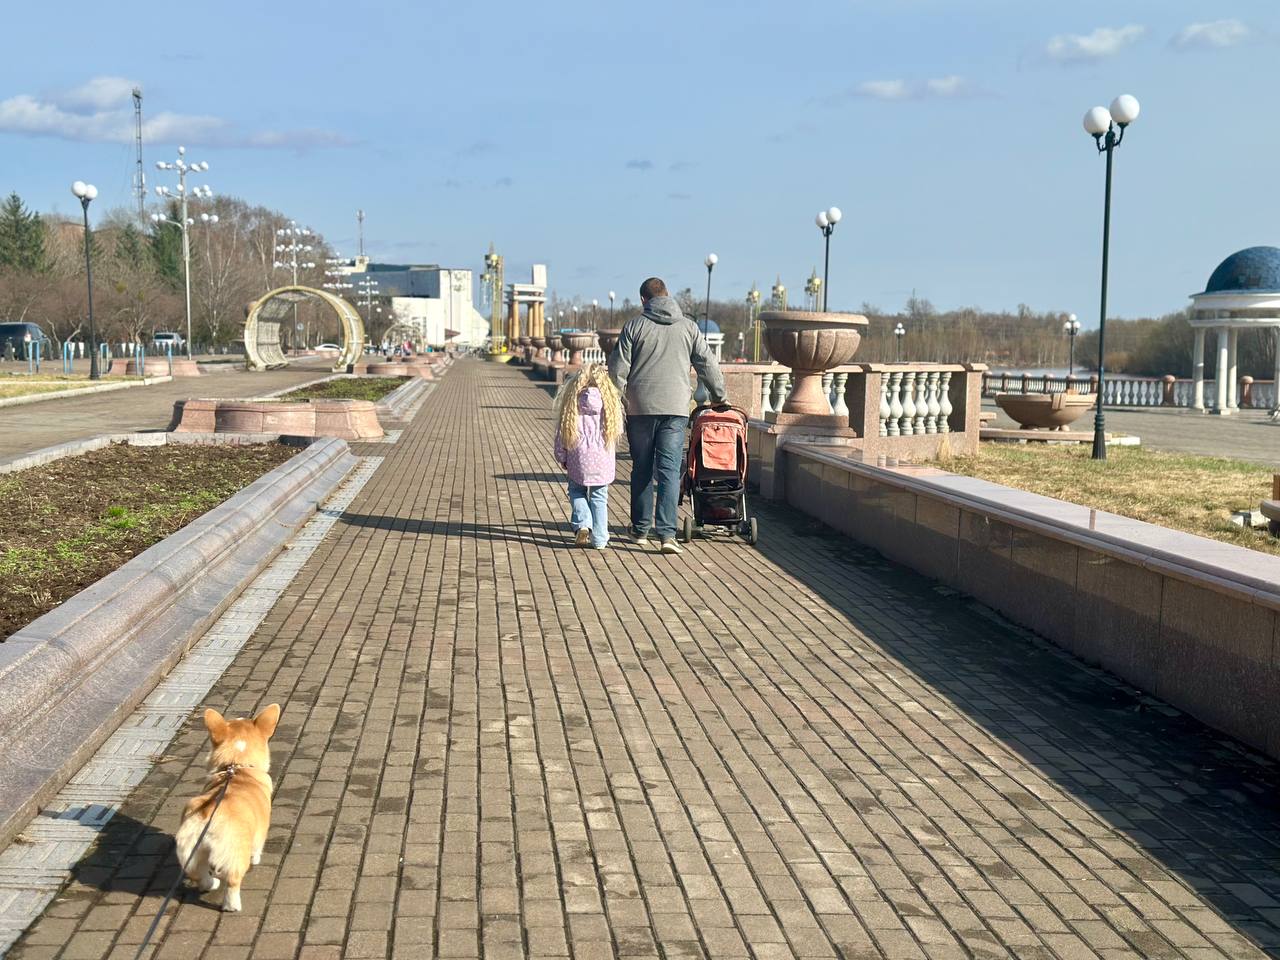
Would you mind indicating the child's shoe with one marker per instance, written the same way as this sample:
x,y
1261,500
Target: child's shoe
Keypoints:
x,y
583,537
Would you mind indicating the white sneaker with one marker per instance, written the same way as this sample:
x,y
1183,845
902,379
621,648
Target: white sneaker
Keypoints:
x,y
671,546
638,538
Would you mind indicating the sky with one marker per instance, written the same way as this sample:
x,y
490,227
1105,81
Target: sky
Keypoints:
x,y
616,141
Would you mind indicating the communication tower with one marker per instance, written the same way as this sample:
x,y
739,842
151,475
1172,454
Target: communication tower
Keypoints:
x,y
139,176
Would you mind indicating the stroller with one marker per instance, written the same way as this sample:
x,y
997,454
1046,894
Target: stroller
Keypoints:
x,y
715,476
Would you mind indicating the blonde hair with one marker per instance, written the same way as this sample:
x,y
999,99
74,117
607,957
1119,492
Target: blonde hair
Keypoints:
x,y
592,375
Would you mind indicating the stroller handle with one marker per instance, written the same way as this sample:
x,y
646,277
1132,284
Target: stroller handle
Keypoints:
x,y
720,407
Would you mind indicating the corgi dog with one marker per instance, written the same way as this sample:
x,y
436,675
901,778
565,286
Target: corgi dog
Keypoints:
x,y
241,760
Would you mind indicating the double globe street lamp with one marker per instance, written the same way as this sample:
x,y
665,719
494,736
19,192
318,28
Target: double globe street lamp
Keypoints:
x,y
1071,327
826,221
899,332
1107,126
711,262
85,193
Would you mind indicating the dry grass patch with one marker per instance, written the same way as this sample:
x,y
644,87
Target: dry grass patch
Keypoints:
x,y
19,389
1184,492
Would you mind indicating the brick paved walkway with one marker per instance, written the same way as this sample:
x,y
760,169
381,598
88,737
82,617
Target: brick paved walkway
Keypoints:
x,y
496,745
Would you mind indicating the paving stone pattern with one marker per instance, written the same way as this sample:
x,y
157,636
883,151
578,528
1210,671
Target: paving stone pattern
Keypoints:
x,y
495,744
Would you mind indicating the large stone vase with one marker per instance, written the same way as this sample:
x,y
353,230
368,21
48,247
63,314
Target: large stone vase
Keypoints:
x,y
555,343
539,344
608,339
576,343
1046,411
526,347
810,344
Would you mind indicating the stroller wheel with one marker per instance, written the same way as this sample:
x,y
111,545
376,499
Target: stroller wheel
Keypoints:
x,y
751,531
686,529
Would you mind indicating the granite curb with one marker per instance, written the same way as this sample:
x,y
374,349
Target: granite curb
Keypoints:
x,y
68,679
396,404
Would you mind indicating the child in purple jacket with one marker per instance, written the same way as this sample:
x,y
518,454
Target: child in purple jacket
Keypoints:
x,y
589,414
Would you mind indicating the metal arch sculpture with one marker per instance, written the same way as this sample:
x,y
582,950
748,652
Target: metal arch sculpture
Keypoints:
x,y
262,349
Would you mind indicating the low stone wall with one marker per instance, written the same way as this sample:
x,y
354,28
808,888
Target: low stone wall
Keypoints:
x,y
68,679
344,419
1193,621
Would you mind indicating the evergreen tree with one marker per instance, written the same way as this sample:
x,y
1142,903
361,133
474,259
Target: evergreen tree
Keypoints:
x,y
21,237
166,247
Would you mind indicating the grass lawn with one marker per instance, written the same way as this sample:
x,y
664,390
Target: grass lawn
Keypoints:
x,y
1195,494
348,388
69,523
9,388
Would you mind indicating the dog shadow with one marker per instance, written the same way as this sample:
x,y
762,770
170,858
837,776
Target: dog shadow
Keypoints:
x,y
137,859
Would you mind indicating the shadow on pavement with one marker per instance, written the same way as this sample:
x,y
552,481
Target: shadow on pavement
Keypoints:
x,y
1201,805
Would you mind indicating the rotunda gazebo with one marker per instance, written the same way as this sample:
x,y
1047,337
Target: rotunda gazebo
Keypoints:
x,y
1243,293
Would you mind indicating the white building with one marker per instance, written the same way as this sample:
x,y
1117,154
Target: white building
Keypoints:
x,y
435,301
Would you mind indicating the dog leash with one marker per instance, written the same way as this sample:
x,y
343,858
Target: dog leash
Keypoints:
x,y
229,770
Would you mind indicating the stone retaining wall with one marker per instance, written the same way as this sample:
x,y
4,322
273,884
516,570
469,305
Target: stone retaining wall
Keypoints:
x,y
1193,621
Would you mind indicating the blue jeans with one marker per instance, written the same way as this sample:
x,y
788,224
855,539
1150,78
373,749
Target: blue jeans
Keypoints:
x,y
657,443
591,509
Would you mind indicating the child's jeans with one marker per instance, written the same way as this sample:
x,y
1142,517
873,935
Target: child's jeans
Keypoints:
x,y
591,509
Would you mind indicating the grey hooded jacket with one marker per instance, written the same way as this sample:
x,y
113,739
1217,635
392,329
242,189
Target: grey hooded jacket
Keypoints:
x,y
651,362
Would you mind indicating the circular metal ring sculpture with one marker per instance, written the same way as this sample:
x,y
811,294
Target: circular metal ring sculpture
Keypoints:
x,y
262,348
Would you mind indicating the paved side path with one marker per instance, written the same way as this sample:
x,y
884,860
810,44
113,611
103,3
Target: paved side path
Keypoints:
x,y
497,745
31,426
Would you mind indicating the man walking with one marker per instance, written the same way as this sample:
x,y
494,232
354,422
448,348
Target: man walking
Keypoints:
x,y
650,365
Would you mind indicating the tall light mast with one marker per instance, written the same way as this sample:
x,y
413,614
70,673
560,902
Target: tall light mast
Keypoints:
x,y
139,176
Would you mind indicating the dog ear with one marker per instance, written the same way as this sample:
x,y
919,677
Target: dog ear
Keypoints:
x,y
216,725
266,720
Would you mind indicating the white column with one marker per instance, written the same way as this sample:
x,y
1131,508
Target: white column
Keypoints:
x,y
1275,383
1197,370
1233,385
1222,408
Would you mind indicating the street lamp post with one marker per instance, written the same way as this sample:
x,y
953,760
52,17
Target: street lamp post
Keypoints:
x,y
779,295
899,332
184,221
1107,127
1071,327
290,243
753,305
826,221
86,192
811,288
594,304
612,296
711,262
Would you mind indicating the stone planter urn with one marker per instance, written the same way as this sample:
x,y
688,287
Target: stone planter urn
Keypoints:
x,y
556,343
608,339
810,344
525,343
575,343
539,344
1046,411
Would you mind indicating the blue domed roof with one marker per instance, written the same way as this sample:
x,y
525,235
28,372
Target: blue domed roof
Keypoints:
x,y
1253,270
710,326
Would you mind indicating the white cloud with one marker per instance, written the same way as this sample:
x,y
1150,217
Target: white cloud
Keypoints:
x,y
1215,35
941,88
101,111
1102,43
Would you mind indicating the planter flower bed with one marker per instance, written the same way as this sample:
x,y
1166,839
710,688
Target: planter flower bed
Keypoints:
x,y
348,388
71,522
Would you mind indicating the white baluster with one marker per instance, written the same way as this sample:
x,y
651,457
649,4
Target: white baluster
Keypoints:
x,y
885,410
766,388
895,403
908,403
776,392
827,379
840,408
944,402
931,421
786,385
